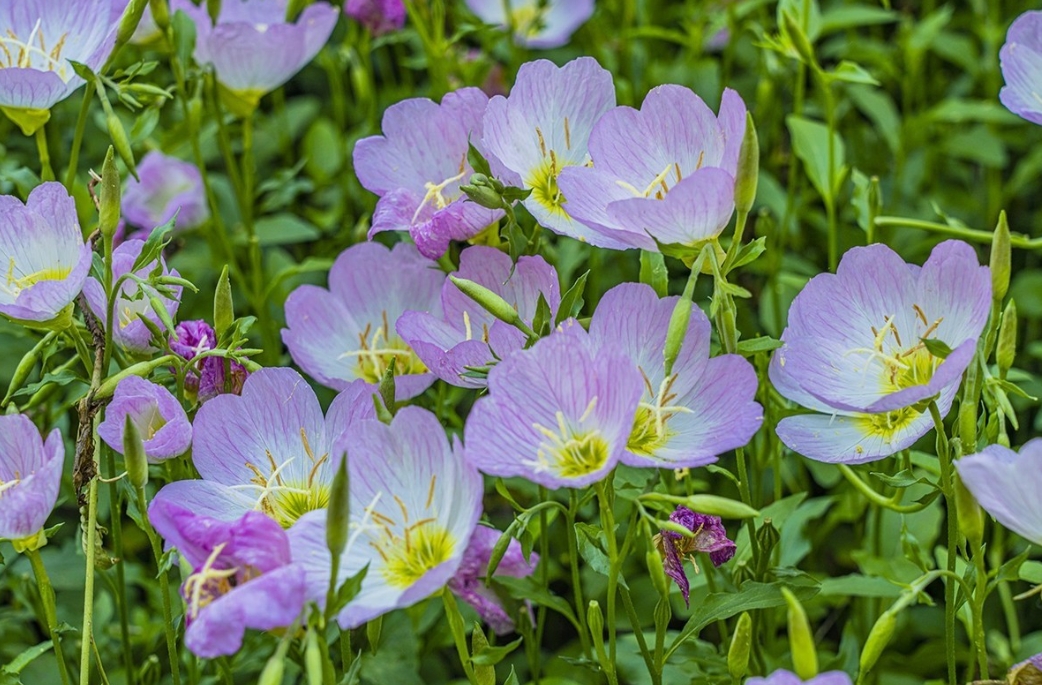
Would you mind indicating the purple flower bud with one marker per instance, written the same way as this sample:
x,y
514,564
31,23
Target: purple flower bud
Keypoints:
x,y
709,536
159,417
30,475
167,185
379,16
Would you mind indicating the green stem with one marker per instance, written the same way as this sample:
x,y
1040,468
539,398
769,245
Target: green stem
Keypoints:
x,y
459,635
77,137
573,562
1017,240
875,498
945,459
980,593
116,514
46,172
164,588
638,633
608,526
87,631
50,610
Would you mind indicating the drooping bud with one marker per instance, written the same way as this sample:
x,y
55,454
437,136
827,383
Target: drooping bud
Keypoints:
x,y
493,303
741,646
1006,351
109,200
678,322
968,407
160,13
1001,257
877,641
128,23
748,173
969,514
134,454
121,141
801,639
26,366
338,511
656,569
223,307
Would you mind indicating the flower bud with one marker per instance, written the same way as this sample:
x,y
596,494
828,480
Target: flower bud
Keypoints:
x,y
656,570
482,195
273,670
595,620
160,13
741,646
128,23
121,142
969,514
223,306
1001,256
676,331
1006,351
338,511
142,369
213,8
26,366
134,454
968,408
801,640
109,202
748,168
798,38
877,641
484,673
493,303
313,659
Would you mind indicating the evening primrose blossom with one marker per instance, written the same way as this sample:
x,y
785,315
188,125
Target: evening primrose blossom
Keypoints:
x,y
708,535
269,449
415,504
39,40
1021,62
704,407
167,186
558,414
30,476
854,350
44,258
542,128
158,415
465,334
783,677
664,173
347,332
242,576
540,24
1007,485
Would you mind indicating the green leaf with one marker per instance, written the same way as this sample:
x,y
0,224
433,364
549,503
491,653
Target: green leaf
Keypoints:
x,y
348,590
184,36
750,252
763,343
591,548
490,656
283,229
157,240
810,143
477,161
15,666
851,72
541,320
1031,571
572,301
937,347
856,585
653,272
853,16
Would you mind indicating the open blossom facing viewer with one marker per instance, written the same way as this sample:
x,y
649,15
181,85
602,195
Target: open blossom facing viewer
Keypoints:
x,y
1007,485
252,48
417,166
704,408
709,537
160,418
665,171
167,185
558,413
465,334
242,576
347,333
469,582
414,506
132,301
379,16
536,23
854,349
1021,60
44,259
542,128
269,449
40,37
30,476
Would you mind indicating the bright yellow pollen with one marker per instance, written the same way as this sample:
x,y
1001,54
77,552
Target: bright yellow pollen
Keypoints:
x,y
284,499
377,347
902,365
14,284
571,453
425,545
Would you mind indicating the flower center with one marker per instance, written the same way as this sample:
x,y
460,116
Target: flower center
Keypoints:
x,y
650,432
209,583
14,283
660,185
529,20
437,195
886,425
543,179
33,53
6,485
377,347
283,499
902,366
571,453
150,422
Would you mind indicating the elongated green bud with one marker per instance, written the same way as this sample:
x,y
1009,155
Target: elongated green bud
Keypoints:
x,y
676,331
109,200
338,511
970,515
26,366
656,569
223,306
142,369
313,659
134,454
482,195
121,142
801,639
490,301
160,13
748,173
484,674
968,408
877,641
128,23
273,670
798,38
1006,351
595,620
372,632
741,646
162,313
1001,257
714,505
213,8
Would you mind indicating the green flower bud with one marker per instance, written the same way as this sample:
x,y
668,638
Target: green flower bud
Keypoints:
x,y
801,639
213,8
1006,351
109,200
160,13
595,620
656,569
748,168
313,660
26,366
128,23
490,301
142,369
484,674
223,306
877,641
273,670
798,38
1001,256
741,646
968,408
676,331
482,195
337,511
134,454
969,513
121,141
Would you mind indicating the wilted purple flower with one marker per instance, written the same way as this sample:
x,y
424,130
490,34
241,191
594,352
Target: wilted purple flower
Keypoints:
x,y
709,537
30,475
536,23
43,256
347,332
206,378
158,415
252,47
167,185
242,576
1021,62
558,413
417,166
211,378
415,504
1007,485
132,301
855,352
469,581
379,16
665,171
705,407
783,677
40,37
1026,672
544,127
269,449
465,334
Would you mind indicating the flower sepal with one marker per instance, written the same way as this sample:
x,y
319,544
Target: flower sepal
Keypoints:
x,y
59,323
241,103
30,543
29,120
